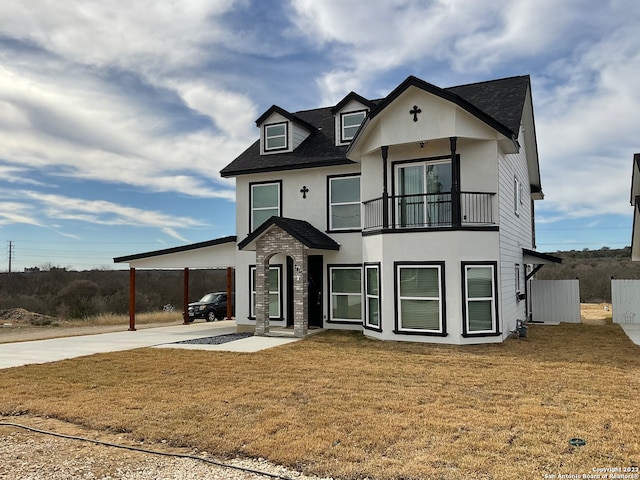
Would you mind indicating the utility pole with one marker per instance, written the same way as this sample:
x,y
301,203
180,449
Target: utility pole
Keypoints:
x,y
10,254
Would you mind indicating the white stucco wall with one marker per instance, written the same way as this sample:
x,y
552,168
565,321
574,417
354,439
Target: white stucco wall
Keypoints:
x,y
438,119
313,209
478,165
450,247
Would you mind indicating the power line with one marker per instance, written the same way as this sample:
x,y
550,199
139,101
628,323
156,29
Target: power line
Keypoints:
x,y
11,254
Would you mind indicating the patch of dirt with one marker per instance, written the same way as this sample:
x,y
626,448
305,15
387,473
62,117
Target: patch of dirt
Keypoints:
x,y
22,317
41,456
595,313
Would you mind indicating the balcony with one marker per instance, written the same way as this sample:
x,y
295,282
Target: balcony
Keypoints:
x,y
429,210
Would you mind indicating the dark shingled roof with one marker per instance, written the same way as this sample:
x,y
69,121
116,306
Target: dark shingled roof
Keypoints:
x,y
499,103
318,150
301,230
501,99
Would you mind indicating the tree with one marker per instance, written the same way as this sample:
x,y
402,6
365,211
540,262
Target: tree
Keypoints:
x,y
79,298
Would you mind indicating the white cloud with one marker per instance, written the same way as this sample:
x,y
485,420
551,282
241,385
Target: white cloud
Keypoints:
x,y
102,212
171,232
232,113
64,108
90,133
587,128
13,174
16,212
143,35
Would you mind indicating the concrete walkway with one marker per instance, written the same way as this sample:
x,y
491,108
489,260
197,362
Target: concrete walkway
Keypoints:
x,y
632,331
51,350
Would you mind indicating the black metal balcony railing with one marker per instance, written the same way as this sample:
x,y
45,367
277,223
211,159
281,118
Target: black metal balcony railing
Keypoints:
x,y
428,210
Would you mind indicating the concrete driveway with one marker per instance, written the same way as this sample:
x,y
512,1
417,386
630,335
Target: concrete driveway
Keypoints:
x,y
51,350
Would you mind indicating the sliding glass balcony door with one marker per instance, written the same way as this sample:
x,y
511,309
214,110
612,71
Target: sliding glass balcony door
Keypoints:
x,y
424,194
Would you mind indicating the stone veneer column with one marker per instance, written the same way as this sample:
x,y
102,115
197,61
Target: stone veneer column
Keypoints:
x,y
273,242
300,292
262,294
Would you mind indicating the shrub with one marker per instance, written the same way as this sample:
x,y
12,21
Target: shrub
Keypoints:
x,y
79,298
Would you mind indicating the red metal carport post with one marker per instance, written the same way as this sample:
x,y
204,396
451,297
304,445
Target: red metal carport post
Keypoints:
x,y
132,299
185,299
229,293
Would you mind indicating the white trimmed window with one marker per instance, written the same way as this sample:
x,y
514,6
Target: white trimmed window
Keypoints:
x,y
344,203
480,299
346,294
276,136
517,274
372,295
419,296
349,124
274,292
265,202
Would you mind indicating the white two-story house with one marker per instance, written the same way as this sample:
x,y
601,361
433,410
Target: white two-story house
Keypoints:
x,y
409,217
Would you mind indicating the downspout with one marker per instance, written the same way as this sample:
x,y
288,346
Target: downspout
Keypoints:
x,y
527,277
533,224
385,190
456,220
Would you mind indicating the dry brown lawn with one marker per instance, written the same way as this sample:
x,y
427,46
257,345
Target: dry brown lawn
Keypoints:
x,y
596,313
339,404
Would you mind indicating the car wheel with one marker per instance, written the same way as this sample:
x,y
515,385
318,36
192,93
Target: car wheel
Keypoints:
x,y
211,316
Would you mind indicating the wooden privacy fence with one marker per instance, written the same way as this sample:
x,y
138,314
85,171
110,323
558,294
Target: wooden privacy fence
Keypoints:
x,y
625,301
554,301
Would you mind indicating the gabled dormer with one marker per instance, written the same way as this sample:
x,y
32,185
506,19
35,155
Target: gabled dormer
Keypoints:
x,y
349,114
281,131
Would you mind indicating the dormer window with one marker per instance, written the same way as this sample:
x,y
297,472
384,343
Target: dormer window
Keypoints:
x,y
349,124
276,136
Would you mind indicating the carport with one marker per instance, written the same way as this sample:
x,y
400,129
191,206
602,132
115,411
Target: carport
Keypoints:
x,y
219,253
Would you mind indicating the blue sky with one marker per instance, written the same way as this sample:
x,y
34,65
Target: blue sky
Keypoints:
x,y
116,117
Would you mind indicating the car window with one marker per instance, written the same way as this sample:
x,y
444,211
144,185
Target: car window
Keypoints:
x,y
209,298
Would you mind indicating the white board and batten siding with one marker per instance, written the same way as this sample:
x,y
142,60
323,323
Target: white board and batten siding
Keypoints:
x,y
515,234
625,301
555,301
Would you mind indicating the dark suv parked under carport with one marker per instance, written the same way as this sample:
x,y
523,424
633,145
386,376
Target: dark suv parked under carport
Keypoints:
x,y
213,306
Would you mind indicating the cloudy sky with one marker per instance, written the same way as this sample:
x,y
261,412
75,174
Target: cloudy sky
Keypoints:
x,y
116,117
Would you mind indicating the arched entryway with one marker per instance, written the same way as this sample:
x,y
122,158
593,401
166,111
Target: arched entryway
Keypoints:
x,y
297,240
275,242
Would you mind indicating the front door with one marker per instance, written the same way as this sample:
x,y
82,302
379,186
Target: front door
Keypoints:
x,y
290,280
315,300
